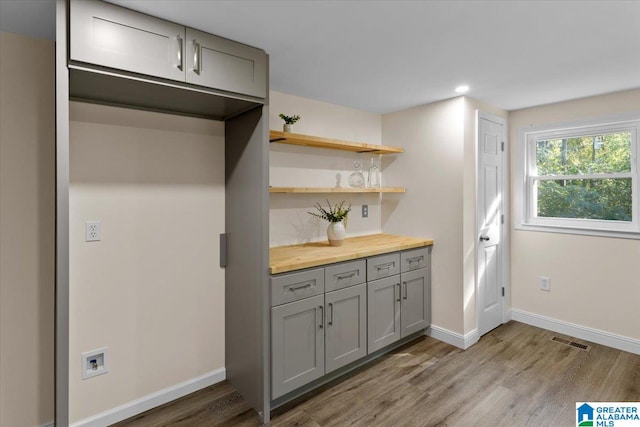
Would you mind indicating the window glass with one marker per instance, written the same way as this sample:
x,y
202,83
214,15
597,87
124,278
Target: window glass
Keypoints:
x,y
603,199
579,155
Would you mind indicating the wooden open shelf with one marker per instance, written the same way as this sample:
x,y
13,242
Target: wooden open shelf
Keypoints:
x,y
335,190
334,144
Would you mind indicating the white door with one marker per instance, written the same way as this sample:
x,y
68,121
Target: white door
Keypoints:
x,y
490,211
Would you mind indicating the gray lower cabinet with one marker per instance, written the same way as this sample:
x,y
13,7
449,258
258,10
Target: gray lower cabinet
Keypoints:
x,y
297,344
327,317
221,63
383,312
399,304
415,309
346,326
111,36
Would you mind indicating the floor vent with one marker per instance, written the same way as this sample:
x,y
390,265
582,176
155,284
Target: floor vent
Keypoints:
x,y
571,343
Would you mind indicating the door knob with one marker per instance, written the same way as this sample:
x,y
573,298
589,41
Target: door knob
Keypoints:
x,y
484,238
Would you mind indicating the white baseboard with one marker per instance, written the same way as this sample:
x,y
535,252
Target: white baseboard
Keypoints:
x,y
153,400
453,338
49,424
583,332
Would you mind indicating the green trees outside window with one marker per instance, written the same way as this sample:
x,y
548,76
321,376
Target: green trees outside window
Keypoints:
x,y
587,177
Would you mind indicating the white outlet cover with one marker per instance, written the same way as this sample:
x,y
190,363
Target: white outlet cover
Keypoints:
x,y
545,283
101,357
92,231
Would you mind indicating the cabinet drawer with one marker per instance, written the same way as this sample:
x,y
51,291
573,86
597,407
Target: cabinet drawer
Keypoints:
x,y
415,259
383,266
345,274
295,286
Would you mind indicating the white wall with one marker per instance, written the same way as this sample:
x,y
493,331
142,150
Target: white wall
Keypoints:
x,y
292,166
594,280
27,212
151,290
432,171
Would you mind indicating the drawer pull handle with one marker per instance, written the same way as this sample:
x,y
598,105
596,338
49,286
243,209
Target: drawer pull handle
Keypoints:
x,y
347,275
415,259
321,316
405,289
386,266
297,288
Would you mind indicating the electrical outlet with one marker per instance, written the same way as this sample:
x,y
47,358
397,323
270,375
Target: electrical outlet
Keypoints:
x,y
95,363
365,211
545,283
92,231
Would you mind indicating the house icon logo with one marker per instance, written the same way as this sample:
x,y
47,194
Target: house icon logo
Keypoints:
x,y
585,415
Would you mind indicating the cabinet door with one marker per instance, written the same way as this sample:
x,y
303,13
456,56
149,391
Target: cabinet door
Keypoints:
x,y
297,344
383,312
346,326
416,300
112,36
219,63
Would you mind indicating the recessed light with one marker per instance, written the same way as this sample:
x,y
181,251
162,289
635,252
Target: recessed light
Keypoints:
x,y
462,89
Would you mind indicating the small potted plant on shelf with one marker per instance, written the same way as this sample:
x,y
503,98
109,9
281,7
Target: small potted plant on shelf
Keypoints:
x,y
289,121
337,218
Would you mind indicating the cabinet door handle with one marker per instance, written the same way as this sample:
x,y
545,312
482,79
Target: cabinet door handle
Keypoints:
x,y
405,289
196,57
399,292
330,322
321,316
297,288
179,52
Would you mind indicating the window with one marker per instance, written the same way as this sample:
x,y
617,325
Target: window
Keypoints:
x,y
582,178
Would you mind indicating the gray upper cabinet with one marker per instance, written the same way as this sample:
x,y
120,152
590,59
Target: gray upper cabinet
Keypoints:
x,y
107,35
297,340
383,312
416,301
346,326
223,64
115,37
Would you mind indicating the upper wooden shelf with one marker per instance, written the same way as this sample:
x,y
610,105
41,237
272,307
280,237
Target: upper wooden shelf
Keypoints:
x,y
335,190
334,144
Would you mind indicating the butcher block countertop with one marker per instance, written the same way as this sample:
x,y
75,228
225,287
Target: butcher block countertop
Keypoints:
x,y
296,257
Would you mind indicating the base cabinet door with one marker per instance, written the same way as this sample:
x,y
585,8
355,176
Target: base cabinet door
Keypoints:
x,y
115,37
297,344
219,63
346,326
416,301
383,298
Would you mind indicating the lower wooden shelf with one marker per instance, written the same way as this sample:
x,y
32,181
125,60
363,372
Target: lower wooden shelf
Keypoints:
x,y
335,190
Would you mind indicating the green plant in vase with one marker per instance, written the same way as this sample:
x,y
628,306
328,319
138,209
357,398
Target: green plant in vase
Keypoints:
x,y
337,217
289,121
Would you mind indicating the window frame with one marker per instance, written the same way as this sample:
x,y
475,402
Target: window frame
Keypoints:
x,y
528,138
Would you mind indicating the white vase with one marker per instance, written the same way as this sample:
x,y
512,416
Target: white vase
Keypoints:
x,y
287,128
336,233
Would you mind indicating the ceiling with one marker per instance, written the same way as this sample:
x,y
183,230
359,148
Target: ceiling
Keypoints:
x,y
385,56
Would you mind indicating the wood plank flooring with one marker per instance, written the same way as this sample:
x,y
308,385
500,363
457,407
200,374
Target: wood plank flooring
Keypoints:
x,y
514,376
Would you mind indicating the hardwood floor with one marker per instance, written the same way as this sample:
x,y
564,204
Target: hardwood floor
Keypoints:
x,y
514,376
